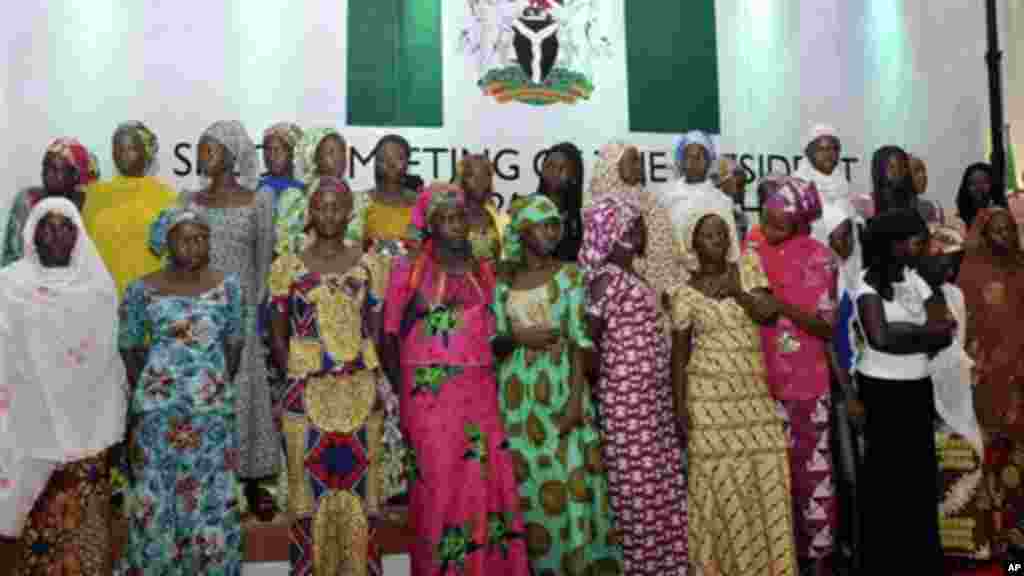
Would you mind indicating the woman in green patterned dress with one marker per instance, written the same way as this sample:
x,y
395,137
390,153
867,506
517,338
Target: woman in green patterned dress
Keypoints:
x,y
540,342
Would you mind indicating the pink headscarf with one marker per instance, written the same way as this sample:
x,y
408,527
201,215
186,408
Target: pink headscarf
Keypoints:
x,y
71,150
799,200
605,225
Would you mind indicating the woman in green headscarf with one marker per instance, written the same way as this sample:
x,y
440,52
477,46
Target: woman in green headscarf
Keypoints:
x,y
540,343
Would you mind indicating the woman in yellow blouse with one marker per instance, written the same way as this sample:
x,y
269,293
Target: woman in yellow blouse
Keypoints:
x,y
388,210
119,211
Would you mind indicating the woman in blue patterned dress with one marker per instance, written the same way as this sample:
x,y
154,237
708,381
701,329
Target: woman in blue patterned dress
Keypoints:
x,y
182,341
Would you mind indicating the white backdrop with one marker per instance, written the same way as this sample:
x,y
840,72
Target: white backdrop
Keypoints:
x,y
902,72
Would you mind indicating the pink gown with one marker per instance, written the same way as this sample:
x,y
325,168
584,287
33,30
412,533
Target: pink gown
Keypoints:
x,y
464,500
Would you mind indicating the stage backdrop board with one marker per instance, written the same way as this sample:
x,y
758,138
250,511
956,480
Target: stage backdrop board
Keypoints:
x,y
880,71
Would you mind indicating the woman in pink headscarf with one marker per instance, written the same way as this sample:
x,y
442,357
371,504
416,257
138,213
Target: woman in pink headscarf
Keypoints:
x,y
642,450
463,496
802,273
67,169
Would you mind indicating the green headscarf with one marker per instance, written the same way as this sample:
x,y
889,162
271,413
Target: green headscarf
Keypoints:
x,y
525,210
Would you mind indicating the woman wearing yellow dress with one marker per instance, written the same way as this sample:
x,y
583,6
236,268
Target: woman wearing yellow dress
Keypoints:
x,y
475,175
119,211
386,216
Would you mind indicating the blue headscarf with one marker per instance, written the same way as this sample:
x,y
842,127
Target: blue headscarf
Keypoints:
x,y
694,137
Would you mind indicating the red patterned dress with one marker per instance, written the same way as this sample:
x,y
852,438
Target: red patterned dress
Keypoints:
x,y
642,452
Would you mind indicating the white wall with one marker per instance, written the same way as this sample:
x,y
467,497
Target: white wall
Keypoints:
x,y
909,73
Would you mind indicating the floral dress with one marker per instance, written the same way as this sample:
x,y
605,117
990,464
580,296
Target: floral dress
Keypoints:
x,y
242,243
562,485
463,497
183,507
335,477
642,451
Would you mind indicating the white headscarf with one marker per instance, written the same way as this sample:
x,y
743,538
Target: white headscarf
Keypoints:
x,y
232,135
690,229
681,198
832,187
60,362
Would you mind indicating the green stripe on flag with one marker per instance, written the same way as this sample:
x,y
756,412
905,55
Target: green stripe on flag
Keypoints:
x,y
672,66
395,69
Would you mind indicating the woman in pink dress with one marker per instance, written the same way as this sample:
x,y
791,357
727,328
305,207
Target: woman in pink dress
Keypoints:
x,y
802,274
464,500
642,448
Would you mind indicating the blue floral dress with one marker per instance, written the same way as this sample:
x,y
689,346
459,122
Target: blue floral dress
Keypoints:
x,y
183,506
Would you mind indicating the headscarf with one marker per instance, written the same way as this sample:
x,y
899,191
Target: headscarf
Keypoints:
x,y
976,240
605,225
832,217
68,393
308,147
799,201
232,135
430,199
523,211
690,230
150,143
161,228
727,169
78,156
694,137
289,132
607,178
832,187
315,191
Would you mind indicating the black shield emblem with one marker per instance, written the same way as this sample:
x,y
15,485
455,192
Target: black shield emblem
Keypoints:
x,y
536,44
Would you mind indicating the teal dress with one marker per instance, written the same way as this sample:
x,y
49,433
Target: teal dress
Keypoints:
x,y
183,507
562,485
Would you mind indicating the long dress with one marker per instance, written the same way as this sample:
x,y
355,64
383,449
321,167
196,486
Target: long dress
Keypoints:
x,y
184,512
741,517
562,486
68,529
242,243
802,272
464,501
642,452
117,217
332,433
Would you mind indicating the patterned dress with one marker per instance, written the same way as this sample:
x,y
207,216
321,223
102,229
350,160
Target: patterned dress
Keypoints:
x,y
741,517
68,530
333,436
183,511
562,487
642,451
242,243
463,497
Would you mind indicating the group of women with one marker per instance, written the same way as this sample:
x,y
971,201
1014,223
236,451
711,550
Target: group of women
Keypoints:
x,y
641,383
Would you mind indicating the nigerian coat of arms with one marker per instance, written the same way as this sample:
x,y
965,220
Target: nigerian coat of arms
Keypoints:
x,y
537,52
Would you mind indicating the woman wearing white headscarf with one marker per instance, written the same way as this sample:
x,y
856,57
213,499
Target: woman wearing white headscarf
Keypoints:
x,y
821,154
242,242
695,164
62,396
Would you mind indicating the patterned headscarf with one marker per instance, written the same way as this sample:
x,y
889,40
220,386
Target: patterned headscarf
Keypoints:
x,y
232,135
150,143
694,219
799,201
315,192
161,228
429,200
71,150
607,179
308,147
523,211
288,132
605,225
694,137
